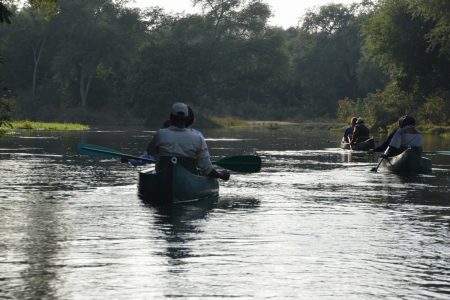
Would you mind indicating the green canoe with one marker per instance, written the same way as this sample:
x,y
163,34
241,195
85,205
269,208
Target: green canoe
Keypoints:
x,y
175,184
408,162
363,146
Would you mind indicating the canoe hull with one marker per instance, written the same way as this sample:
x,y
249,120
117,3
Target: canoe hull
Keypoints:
x,y
363,146
408,162
175,184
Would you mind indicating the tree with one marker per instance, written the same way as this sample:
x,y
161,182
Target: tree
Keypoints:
x,y
95,38
5,16
397,40
327,57
437,11
404,37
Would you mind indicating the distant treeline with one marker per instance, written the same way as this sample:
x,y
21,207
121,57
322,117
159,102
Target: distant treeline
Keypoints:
x,y
75,60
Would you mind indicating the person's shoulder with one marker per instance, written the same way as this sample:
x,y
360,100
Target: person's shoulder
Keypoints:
x,y
197,132
197,135
409,130
161,130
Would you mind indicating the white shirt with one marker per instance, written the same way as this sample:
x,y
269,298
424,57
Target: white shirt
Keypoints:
x,y
181,142
405,137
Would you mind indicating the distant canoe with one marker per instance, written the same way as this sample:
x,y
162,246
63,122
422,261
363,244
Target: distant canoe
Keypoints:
x,y
175,184
363,146
408,162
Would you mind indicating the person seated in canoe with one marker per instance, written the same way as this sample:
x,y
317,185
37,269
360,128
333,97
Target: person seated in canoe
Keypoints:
x,y
188,146
360,132
407,136
167,123
349,130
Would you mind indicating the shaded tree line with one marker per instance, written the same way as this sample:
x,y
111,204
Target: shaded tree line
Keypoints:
x,y
408,40
101,60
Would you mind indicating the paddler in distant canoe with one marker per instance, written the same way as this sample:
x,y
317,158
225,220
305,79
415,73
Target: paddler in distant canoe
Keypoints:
x,y
349,130
188,146
360,133
407,136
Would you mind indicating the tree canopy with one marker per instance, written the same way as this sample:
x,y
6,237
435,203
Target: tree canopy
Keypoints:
x,y
102,60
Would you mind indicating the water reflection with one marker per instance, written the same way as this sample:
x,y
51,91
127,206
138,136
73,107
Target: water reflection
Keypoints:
x,y
180,223
40,247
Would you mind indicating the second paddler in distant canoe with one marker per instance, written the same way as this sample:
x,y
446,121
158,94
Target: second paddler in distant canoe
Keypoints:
x,y
403,153
406,136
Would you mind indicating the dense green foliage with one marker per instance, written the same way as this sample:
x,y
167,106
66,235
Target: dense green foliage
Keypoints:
x,y
408,39
75,60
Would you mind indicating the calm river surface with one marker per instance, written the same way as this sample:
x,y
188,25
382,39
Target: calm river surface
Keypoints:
x,y
315,223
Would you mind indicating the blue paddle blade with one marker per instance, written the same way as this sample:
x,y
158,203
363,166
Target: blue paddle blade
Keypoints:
x,y
98,151
94,150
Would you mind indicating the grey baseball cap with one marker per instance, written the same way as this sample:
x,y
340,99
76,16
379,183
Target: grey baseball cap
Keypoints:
x,y
179,109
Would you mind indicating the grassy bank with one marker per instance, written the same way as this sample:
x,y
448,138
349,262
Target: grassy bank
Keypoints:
x,y
29,125
231,122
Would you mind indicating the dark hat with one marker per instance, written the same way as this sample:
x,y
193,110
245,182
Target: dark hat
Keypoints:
x,y
407,120
360,120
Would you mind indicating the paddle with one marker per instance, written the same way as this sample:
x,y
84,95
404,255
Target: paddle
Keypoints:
x,y
376,168
239,163
88,149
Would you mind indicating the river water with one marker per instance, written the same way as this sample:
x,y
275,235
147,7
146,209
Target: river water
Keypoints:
x,y
315,223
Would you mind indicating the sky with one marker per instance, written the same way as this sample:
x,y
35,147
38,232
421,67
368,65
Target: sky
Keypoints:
x,y
286,12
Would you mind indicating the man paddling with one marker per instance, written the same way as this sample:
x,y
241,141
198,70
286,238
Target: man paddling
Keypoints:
x,y
188,146
407,136
167,123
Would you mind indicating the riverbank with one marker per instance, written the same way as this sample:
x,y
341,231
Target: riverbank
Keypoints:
x,y
231,122
30,125
226,122
440,130
322,124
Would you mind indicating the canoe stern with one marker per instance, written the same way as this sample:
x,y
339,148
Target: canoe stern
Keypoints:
x,y
175,184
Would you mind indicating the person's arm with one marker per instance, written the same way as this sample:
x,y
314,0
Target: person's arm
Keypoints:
x,y
347,134
355,135
204,162
394,145
152,147
203,156
224,175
